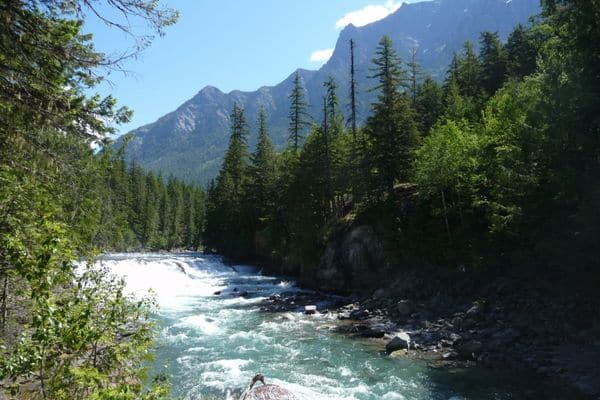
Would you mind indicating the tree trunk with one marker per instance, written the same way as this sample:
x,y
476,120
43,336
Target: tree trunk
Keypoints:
x,y
3,300
446,216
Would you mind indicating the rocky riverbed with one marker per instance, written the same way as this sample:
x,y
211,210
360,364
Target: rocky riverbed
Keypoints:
x,y
507,324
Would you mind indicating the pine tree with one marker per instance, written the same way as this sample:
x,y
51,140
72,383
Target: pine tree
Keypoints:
x,y
263,173
227,213
176,228
353,122
149,237
414,70
391,127
429,104
463,93
492,56
387,70
326,138
137,194
469,72
299,117
236,157
521,53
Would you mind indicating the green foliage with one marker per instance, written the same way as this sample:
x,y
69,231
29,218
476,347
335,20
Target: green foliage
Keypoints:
x,y
67,331
513,154
521,52
448,161
465,72
489,171
429,104
70,325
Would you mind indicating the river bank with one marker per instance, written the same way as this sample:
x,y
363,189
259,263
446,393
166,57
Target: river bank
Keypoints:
x,y
501,322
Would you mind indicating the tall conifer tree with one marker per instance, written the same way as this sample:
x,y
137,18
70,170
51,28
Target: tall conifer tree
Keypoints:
x,y
391,127
493,62
299,116
263,172
414,70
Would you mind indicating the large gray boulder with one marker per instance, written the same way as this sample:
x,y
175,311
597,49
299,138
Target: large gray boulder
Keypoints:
x,y
404,307
268,392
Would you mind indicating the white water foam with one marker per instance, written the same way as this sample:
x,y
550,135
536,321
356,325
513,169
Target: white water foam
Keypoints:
x,y
174,281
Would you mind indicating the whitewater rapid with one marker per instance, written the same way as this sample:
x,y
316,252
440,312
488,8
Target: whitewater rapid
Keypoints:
x,y
211,345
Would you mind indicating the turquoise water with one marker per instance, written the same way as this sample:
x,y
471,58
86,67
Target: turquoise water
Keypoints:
x,y
211,346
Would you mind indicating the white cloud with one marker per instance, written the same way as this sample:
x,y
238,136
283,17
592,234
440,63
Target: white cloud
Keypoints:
x,y
368,14
321,55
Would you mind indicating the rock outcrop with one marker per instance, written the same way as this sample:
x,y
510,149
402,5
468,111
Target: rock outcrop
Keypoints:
x,y
353,261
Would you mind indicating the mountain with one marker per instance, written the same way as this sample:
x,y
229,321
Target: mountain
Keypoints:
x,y
190,141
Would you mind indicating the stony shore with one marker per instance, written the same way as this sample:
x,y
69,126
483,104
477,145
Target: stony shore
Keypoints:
x,y
506,323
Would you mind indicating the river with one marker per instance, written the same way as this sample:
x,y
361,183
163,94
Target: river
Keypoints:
x,y
212,345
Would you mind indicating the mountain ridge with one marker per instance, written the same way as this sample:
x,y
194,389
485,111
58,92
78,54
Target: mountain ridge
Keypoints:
x,y
190,141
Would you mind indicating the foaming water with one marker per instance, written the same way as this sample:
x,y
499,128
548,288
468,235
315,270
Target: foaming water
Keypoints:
x,y
211,345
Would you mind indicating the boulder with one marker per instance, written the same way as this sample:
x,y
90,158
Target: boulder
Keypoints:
x,y
476,309
451,355
506,336
404,307
367,331
469,349
380,294
360,314
399,342
268,392
454,338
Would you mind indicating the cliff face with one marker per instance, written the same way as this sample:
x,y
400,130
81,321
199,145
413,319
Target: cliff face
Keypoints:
x,y
353,261
190,141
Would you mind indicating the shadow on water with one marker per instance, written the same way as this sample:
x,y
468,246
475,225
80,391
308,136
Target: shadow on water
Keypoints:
x,y
483,383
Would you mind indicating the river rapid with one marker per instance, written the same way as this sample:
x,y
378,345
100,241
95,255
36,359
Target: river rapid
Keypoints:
x,y
211,345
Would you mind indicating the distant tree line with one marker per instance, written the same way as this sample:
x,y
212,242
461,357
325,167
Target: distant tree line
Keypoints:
x,y
142,210
498,164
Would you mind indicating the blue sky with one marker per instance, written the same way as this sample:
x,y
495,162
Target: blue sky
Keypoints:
x,y
230,44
